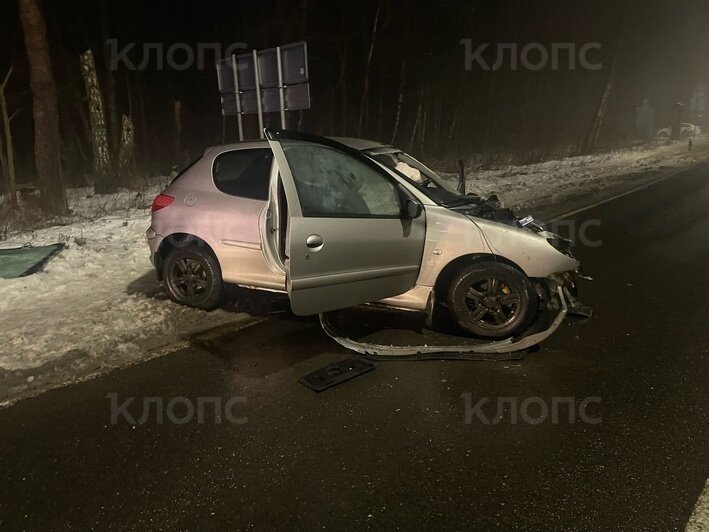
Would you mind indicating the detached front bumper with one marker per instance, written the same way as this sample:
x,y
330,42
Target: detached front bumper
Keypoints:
x,y
494,350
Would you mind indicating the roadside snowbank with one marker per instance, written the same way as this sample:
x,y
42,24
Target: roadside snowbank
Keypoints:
x,y
554,182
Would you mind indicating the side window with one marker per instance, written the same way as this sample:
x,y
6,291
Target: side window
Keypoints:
x,y
331,183
244,173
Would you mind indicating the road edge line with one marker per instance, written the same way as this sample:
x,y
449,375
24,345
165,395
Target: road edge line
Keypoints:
x,y
618,196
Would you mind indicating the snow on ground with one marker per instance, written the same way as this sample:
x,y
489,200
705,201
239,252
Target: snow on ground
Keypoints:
x,y
553,182
97,305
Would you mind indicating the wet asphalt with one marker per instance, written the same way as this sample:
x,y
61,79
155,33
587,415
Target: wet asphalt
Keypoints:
x,y
393,448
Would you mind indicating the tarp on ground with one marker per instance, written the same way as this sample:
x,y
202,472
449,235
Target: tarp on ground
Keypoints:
x,y
17,262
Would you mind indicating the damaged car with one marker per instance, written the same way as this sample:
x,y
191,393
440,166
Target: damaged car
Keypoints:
x,y
339,222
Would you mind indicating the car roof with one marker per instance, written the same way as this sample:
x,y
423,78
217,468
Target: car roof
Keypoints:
x,y
355,143
358,144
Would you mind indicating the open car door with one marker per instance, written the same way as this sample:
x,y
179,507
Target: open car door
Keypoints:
x,y
354,234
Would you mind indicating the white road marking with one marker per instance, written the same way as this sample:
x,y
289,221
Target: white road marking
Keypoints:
x,y
617,196
699,522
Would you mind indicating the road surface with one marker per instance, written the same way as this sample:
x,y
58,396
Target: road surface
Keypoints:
x,y
402,446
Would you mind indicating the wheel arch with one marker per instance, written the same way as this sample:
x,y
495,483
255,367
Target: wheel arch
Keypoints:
x,y
176,240
446,275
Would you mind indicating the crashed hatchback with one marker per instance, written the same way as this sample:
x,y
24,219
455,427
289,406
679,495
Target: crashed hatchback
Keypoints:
x,y
337,223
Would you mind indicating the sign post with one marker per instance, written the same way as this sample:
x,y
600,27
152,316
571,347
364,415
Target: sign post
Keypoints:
x,y
239,120
259,106
281,88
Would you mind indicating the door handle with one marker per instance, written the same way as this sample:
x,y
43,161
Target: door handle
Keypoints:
x,y
314,241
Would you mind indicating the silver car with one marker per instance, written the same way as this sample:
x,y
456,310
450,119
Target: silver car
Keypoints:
x,y
336,223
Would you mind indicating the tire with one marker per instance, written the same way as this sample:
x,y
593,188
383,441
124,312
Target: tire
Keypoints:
x,y
193,278
492,300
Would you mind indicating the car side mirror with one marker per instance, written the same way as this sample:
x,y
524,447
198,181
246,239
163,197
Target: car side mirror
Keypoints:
x,y
412,209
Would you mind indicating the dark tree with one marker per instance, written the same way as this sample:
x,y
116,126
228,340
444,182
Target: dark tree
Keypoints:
x,y
44,107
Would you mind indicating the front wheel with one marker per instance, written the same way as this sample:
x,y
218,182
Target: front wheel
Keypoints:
x,y
492,300
193,278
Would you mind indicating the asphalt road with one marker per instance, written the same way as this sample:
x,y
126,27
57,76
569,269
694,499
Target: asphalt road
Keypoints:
x,y
392,448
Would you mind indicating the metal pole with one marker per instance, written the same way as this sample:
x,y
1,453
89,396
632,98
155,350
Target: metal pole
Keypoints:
x,y
237,97
281,88
219,82
258,95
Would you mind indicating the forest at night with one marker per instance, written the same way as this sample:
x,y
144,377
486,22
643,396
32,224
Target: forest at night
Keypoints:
x,y
399,72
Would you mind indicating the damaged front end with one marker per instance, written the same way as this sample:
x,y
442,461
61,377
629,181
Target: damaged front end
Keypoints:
x,y
492,209
559,290
547,260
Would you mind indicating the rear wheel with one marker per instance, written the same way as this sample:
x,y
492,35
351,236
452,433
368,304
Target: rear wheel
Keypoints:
x,y
492,300
193,278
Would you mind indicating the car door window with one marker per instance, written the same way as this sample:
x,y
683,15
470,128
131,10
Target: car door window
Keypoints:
x,y
244,173
331,183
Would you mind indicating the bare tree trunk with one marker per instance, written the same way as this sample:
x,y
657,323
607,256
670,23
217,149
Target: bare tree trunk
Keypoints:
x,y
400,101
364,103
303,19
594,130
143,145
81,112
489,120
126,152
7,153
343,91
110,85
99,137
45,108
380,114
177,118
437,111
418,118
454,123
423,132
3,161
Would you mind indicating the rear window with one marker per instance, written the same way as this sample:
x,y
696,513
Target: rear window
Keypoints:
x,y
244,173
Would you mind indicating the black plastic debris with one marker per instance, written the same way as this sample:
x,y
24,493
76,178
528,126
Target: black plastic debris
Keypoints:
x,y
334,374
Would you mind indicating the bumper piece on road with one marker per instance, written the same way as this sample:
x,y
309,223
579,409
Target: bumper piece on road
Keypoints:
x,y
333,374
497,350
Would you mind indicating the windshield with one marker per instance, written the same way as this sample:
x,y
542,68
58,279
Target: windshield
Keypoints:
x,y
420,175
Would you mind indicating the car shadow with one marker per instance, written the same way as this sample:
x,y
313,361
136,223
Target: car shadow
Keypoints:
x,y
267,348
255,303
290,339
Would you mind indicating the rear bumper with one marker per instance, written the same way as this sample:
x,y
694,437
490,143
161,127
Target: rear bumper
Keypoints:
x,y
154,240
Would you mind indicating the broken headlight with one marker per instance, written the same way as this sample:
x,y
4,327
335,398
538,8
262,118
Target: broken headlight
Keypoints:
x,y
562,245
